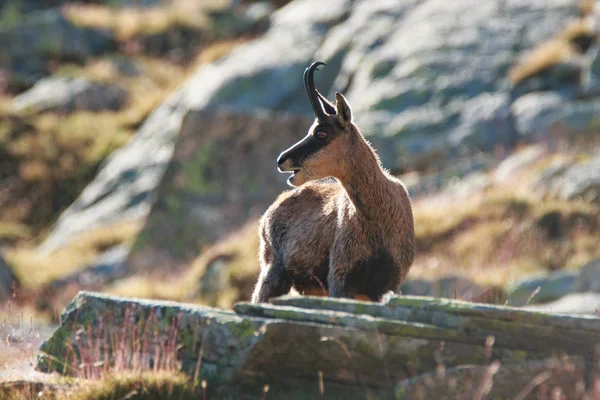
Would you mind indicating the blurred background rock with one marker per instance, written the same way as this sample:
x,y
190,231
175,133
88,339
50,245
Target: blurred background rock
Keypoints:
x,y
138,140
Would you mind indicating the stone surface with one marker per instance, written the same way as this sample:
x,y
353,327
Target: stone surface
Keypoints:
x,y
571,178
574,303
353,348
536,114
8,280
582,181
65,95
453,287
510,167
194,208
557,285
551,288
26,47
589,277
105,269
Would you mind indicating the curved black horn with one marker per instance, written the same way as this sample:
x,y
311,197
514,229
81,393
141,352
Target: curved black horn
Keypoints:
x,y
309,83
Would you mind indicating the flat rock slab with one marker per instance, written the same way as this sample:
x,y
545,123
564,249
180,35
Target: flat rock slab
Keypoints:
x,y
308,346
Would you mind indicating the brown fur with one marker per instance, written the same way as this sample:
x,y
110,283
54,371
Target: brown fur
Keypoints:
x,y
350,238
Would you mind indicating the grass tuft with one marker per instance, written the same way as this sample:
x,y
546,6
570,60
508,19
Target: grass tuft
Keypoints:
x,y
134,386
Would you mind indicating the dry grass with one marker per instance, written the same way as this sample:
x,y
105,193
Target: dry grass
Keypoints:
x,y
505,234
175,288
154,81
586,7
238,254
35,270
147,385
130,22
540,59
142,363
550,53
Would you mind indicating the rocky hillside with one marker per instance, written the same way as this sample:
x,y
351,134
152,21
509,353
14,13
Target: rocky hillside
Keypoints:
x,y
428,81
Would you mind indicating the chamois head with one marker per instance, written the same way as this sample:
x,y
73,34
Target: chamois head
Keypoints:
x,y
326,149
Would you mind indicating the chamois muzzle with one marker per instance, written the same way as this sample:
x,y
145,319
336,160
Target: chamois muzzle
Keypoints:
x,y
309,84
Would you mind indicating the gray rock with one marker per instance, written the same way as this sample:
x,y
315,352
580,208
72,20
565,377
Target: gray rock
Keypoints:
x,y
259,12
574,303
551,288
547,182
214,280
453,287
484,124
410,82
26,47
8,280
416,287
536,113
582,181
355,349
510,167
194,208
589,277
65,95
473,183
106,268
571,179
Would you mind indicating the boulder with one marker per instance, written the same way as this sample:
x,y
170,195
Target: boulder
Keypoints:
x,y
547,182
106,268
317,347
537,290
65,95
512,166
194,207
589,277
8,280
26,47
582,181
453,287
574,303
537,114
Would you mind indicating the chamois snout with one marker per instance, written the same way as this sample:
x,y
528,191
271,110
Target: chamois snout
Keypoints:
x,y
292,161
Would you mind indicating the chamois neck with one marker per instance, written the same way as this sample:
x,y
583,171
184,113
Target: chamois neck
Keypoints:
x,y
365,182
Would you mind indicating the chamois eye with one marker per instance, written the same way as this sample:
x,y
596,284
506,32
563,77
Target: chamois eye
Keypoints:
x,y
322,135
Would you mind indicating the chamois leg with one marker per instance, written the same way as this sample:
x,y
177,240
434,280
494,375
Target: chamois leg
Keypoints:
x,y
273,281
341,286
338,286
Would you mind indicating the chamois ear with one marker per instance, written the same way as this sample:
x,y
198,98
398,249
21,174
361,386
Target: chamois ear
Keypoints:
x,y
344,113
327,106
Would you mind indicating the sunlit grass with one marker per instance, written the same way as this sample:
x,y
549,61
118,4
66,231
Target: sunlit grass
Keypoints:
x,y
35,269
239,255
499,236
146,385
130,22
550,53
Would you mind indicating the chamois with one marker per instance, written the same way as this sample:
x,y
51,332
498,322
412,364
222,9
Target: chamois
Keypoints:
x,y
352,236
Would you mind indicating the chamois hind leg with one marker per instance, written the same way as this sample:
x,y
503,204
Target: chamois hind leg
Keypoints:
x,y
343,284
273,281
